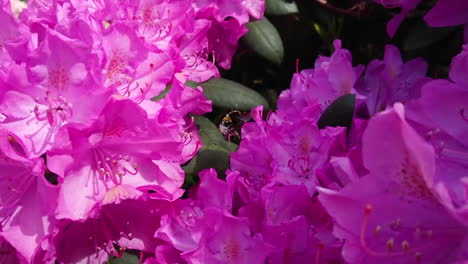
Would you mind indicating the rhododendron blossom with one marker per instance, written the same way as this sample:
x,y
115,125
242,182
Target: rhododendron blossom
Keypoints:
x,y
104,157
80,138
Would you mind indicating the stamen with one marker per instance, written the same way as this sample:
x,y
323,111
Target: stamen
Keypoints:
x,y
301,166
377,230
320,229
140,260
213,57
50,132
297,70
405,246
297,66
459,155
390,243
418,256
114,167
257,181
38,115
319,251
118,254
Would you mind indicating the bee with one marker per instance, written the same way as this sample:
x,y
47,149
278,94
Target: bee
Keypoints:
x,y
231,124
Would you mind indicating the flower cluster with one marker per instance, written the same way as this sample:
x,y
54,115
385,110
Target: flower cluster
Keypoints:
x,y
89,164
390,188
358,164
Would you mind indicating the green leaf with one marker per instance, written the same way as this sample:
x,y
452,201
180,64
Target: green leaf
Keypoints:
x,y
338,113
208,158
265,40
280,7
420,35
214,152
162,94
125,259
228,94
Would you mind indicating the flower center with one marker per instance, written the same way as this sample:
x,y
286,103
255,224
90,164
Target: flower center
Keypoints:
x,y
114,167
116,65
59,78
231,249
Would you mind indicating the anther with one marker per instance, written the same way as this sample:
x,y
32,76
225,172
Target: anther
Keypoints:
x,y
418,256
368,209
377,230
405,246
319,251
429,234
390,243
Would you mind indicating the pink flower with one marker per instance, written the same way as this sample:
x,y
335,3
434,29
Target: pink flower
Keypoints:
x,y
265,156
120,156
331,78
128,225
194,56
62,92
27,199
223,36
391,80
130,68
183,225
235,244
14,37
394,214
238,9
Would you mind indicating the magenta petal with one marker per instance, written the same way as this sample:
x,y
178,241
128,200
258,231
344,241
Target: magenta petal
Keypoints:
x,y
393,214
459,67
30,222
213,191
448,13
395,22
167,255
78,202
235,244
127,225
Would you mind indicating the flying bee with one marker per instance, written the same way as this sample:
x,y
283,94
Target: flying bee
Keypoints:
x,y
231,124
